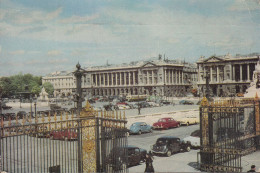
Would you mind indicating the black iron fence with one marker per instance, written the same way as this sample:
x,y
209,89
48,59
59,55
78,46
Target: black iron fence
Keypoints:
x,y
228,131
64,143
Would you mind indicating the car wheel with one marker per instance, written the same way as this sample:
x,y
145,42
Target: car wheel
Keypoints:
x,y
188,148
178,125
169,153
187,124
151,130
139,133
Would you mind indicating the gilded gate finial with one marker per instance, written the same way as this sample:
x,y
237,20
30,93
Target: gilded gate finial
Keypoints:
x,y
88,111
256,96
204,102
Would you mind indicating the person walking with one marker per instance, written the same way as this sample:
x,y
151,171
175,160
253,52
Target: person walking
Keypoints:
x,y
149,163
252,168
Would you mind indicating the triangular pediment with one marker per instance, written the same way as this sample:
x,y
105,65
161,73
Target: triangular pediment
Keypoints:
x,y
213,59
149,64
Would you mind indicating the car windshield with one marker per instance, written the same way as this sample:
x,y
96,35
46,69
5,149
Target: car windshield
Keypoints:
x,y
161,120
134,124
161,141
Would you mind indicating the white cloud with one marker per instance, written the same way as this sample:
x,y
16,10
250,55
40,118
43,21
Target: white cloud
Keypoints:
x,y
54,53
245,5
78,19
17,52
58,61
28,16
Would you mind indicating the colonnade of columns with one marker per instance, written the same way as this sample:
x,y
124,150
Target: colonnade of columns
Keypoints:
x,y
172,76
114,78
219,73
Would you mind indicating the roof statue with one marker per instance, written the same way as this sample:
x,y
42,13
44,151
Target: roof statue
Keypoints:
x,y
254,88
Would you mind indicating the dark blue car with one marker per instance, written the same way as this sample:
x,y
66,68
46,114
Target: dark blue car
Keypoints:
x,y
139,128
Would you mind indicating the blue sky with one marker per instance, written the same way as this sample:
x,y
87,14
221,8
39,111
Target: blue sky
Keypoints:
x,y
43,36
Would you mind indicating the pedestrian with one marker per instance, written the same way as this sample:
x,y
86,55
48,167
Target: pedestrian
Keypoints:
x,y
139,109
149,163
252,168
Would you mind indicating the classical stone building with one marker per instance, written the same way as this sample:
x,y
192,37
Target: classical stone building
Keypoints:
x,y
155,77
228,75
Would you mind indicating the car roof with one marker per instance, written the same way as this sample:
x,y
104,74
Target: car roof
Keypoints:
x,y
168,137
138,122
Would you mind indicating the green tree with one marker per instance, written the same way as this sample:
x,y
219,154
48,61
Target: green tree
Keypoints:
x,y
48,88
36,89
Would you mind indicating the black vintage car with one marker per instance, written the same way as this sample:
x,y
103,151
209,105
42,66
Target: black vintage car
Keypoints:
x,y
169,144
122,157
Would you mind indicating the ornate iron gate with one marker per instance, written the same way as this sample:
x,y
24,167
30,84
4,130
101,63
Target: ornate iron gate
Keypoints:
x,y
229,130
63,143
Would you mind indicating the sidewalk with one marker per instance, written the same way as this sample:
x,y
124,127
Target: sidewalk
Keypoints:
x,y
187,162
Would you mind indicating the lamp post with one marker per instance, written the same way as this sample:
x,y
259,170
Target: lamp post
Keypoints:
x,y
207,85
35,103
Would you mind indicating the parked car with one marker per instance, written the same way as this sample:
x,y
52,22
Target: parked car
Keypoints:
x,y
194,139
189,120
153,104
123,107
139,128
117,158
67,134
186,102
167,145
165,102
166,123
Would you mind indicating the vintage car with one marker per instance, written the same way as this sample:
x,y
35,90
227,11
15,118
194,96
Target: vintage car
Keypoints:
x,y
189,120
167,145
165,123
186,102
139,128
194,139
117,158
67,134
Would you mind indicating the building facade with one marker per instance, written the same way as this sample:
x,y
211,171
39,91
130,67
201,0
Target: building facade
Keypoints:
x,y
157,77
228,75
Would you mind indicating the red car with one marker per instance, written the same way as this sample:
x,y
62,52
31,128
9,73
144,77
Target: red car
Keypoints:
x,y
165,123
68,134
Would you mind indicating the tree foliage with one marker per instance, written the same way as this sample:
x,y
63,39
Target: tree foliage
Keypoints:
x,y
11,86
48,88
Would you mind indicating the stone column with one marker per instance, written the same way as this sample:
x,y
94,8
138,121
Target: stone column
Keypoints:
x,y
217,73
176,76
108,78
248,73
165,76
210,74
241,69
152,77
179,77
116,78
129,78
172,77
96,79
133,77
120,79
125,78
233,72
182,77
99,79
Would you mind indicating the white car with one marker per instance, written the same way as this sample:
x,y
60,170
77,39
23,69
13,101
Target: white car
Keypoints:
x,y
189,120
123,107
153,104
194,139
